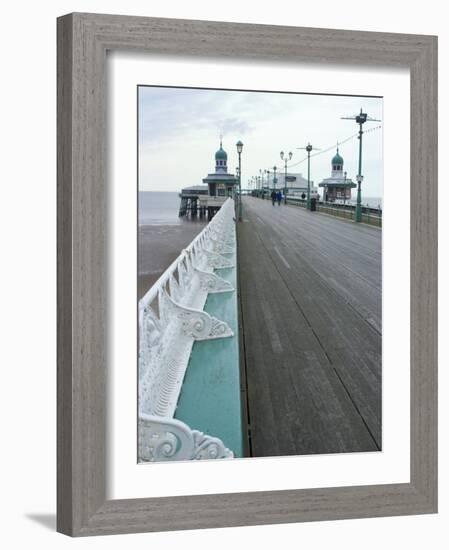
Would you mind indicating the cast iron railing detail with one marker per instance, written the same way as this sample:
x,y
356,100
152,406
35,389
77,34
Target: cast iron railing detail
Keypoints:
x,y
171,319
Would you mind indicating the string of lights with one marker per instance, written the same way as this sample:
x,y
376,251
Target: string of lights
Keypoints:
x,y
322,151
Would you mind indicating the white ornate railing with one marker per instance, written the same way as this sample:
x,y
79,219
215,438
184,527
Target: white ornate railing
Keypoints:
x,y
169,439
171,319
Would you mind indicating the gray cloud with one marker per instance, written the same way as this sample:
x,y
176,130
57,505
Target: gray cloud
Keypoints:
x,y
234,126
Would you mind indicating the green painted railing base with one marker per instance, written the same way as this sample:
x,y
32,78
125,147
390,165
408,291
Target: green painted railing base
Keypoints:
x,y
210,395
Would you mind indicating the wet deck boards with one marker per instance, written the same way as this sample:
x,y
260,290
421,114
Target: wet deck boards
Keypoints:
x,y
311,306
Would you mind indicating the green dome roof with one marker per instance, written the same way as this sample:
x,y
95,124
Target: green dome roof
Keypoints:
x,y
337,159
221,154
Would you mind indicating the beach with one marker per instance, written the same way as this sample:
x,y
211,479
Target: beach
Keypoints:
x,y
162,235
159,246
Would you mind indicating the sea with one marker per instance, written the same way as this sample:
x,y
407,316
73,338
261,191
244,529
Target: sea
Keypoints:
x,y
159,208
372,202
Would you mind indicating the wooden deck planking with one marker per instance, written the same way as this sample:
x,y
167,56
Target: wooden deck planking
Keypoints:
x,y
310,288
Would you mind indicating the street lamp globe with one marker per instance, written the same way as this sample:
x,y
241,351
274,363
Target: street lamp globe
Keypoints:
x,y
282,155
239,146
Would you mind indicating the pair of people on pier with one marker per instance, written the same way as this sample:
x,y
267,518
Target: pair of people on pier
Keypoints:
x,y
276,197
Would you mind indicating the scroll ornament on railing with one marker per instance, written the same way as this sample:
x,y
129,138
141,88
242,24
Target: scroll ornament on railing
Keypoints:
x,y
171,319
170,439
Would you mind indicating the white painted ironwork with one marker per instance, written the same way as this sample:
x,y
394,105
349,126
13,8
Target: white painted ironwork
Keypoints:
x,y
217,261
212,283
217,245
171,319
169,439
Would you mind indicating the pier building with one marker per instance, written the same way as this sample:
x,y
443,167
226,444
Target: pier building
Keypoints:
x,y
296,184
338,186
190,200
221,183
217,187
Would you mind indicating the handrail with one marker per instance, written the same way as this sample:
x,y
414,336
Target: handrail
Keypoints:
x,y
171,319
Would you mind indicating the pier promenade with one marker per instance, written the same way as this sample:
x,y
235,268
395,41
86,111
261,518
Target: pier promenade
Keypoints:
x,y
310,301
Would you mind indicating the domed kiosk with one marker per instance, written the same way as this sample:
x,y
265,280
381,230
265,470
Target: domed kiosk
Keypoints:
x,y
221,184
202,199
338,186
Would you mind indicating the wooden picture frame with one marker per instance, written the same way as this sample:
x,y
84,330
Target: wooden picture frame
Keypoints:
x,y
83,40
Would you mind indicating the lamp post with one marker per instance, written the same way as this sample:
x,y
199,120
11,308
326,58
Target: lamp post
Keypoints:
x,y
285,158
261,181
344,189
360,119
268,180
275,180
358,206
239,146
309,149
237,171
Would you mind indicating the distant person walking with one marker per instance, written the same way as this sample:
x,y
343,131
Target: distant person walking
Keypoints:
x,y
273,197
279,197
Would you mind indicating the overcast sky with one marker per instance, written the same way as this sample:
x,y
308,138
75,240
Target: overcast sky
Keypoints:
x,y
179,133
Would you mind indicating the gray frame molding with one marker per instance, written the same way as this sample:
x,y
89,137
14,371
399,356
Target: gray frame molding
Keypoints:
x,y
83,40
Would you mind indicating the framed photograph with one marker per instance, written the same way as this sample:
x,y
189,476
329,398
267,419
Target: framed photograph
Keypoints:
x,y
247,282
